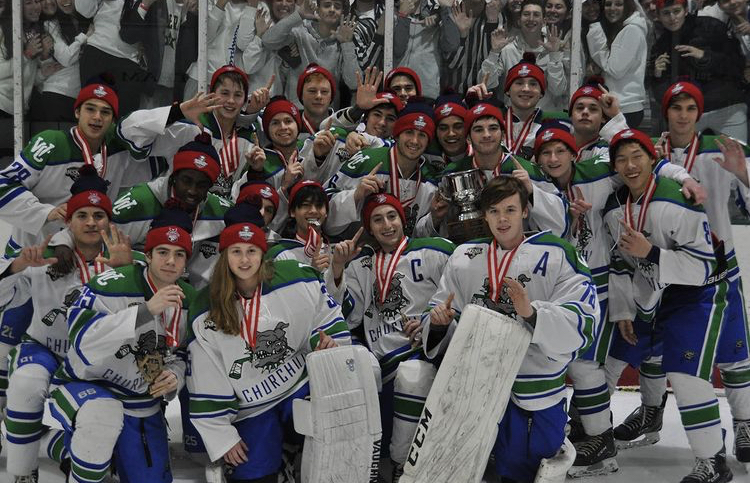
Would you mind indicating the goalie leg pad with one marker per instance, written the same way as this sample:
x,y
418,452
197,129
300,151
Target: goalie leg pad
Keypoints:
x,y
412,385
555,469
458,425
342,418
525,438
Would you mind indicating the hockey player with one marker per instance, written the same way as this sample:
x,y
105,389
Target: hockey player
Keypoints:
x,y
668,289
45,343
316,90
166,129
540,280
128,332
596,118
400,170
254,325
586,186
386,290
404,82
195,171
484,128
325,154
268,201
450,114
684,146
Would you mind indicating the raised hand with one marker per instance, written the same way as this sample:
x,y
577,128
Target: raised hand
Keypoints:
x,y
733,159
323,143
407,7
325,341
609,103
58,213
480,90
118,246
308,9
367,89
369,184
689,51
522,175
199,104
255,158
260,97
344,252
165,297
345,32
320,261
462,18
519,296
262,23
633,242
292,173
443,314
660,64
553,43
499,38
355,142
32,256
580,205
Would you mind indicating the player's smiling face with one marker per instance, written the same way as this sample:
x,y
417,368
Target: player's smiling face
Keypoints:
x,y
308,212
94,118
380,121
412,143
505,219
232,97
403,86
86,225
316,95
531,19
486,135
450,135
525,93
166,263
682,114
66,6
634,165
386,227
244,260
191,186
556,160
282,130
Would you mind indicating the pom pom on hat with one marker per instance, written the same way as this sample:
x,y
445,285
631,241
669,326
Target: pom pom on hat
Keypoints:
x,y
89,189
171,227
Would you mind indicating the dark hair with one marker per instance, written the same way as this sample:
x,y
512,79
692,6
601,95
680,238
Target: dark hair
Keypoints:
x,y
540,3
627,142
500,188
71,25
612,29
6,26
232,77
567,22
309,194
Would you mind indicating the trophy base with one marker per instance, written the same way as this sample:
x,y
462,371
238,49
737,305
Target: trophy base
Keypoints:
x,y
465,230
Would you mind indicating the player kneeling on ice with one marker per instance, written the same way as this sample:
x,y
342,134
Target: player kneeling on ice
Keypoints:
x,y
127,330
541,281
34,361
254,326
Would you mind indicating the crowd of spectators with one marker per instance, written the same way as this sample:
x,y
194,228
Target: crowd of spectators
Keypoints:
x,y
150,48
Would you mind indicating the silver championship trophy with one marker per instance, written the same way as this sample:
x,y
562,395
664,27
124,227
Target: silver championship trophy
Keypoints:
x,y
463,189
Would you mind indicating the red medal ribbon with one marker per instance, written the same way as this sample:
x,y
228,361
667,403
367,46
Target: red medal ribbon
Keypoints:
x,y
514,146
83,267
312,241
384,279
692,152
307,125
173,328
395,177
497,272
251,316
229,154
292,159
647,195
88,156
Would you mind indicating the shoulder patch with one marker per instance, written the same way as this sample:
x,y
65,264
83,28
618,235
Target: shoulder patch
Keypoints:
x,y
136,204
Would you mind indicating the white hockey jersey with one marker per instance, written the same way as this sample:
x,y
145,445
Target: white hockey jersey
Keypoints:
x,y
109,349
230,381
415,280
681,231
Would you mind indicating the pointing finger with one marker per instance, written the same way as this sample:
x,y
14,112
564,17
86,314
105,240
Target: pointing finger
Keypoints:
x,y
358,234
449,300
603,89
270,82
375,169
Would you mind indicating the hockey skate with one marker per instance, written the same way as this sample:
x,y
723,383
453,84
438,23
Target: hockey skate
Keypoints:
x,y
32,478
742,442
574,431
645,421
710,470
595,456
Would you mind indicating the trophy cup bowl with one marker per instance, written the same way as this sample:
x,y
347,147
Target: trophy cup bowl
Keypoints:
x,y
464,189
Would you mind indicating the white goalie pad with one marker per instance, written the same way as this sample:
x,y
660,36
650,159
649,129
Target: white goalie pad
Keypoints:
x,y
410,389
342,418
555,469
458,426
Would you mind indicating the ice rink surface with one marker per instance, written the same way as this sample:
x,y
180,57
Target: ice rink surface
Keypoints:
x,y
665,462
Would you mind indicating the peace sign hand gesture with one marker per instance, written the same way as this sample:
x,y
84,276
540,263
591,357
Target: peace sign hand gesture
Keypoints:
x,y
118,246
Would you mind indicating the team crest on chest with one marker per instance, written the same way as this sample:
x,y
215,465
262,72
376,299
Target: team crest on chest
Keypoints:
x,y
271,349
208,250
504,305
584,235
366,262
395,300
53,273
473,252
52,315
149,354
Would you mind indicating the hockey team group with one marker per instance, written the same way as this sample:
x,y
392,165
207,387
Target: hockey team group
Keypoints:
x,y
275,236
